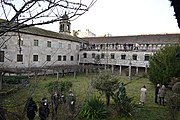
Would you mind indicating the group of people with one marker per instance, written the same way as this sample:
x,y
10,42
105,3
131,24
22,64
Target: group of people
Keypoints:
x,y
160,92
32,109
44,110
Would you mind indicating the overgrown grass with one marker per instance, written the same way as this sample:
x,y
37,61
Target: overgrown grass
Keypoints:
x,y
82,89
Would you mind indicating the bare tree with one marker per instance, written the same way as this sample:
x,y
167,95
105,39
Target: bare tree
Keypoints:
x,y
25,13
18,14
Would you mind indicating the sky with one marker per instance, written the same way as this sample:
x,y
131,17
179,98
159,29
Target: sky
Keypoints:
x,y
125,17
129,17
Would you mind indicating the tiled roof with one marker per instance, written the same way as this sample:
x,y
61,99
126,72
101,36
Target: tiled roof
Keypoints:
x,y
45,33
141,39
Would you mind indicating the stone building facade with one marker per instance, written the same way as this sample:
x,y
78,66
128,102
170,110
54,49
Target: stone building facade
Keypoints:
x,y
37,51
125,53
38,48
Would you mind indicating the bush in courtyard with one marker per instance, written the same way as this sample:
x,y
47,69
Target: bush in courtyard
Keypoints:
x,y
174,103
176,88
61,86
106,83
124,105
94,109
14,79
174,80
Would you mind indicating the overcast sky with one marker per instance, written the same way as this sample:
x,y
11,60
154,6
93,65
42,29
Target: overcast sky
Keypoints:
x,y
126,17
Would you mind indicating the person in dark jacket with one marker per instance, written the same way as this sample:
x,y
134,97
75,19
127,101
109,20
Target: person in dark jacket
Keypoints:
x,y
31,108
157,93
44,109
55,100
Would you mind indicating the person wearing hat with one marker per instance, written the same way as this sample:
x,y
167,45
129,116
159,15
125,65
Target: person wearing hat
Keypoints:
x,y
157,93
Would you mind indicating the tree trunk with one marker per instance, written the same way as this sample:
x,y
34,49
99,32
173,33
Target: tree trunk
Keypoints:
x,y
107,99
1,80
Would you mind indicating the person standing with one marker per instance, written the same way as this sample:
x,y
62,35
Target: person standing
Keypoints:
x,y
162,93
71,102
143,95
44,109
122,90
31,108
55,100
157,93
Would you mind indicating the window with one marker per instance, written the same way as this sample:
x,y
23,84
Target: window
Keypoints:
x,y
48,57
93,55
60,45
102,55
146,57
69,46
19,58
134,57
72,58
61,27
64,58
48,43
123,57
77,57
68,27
77,47
112,55
36,43
35,57
1,56
85,55
59,57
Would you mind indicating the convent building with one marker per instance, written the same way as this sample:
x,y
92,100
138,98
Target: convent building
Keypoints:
x,y
38,48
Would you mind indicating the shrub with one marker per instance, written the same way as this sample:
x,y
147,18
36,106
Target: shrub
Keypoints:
x,y
164,65
174,80
62,86
106,83
14,79
176,88
124,105
94,109
174,107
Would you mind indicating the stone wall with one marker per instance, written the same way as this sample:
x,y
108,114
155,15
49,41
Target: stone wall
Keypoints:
x,y
59,47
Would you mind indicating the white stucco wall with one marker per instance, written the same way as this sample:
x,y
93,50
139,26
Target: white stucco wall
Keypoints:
x,y
140,62
28,50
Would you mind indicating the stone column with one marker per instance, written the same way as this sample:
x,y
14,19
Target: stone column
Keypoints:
x,y
137,71
129,77
112,68
145,69
57,75
120,70
1,80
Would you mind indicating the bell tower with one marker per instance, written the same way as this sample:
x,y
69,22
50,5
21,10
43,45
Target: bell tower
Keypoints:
x,y
65,25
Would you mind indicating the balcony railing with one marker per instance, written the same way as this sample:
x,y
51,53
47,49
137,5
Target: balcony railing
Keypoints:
x,y
122,47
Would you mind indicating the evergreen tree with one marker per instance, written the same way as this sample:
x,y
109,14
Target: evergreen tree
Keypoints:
x,y
164,65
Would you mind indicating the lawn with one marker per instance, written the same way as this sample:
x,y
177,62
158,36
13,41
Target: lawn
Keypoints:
x,y
82,89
